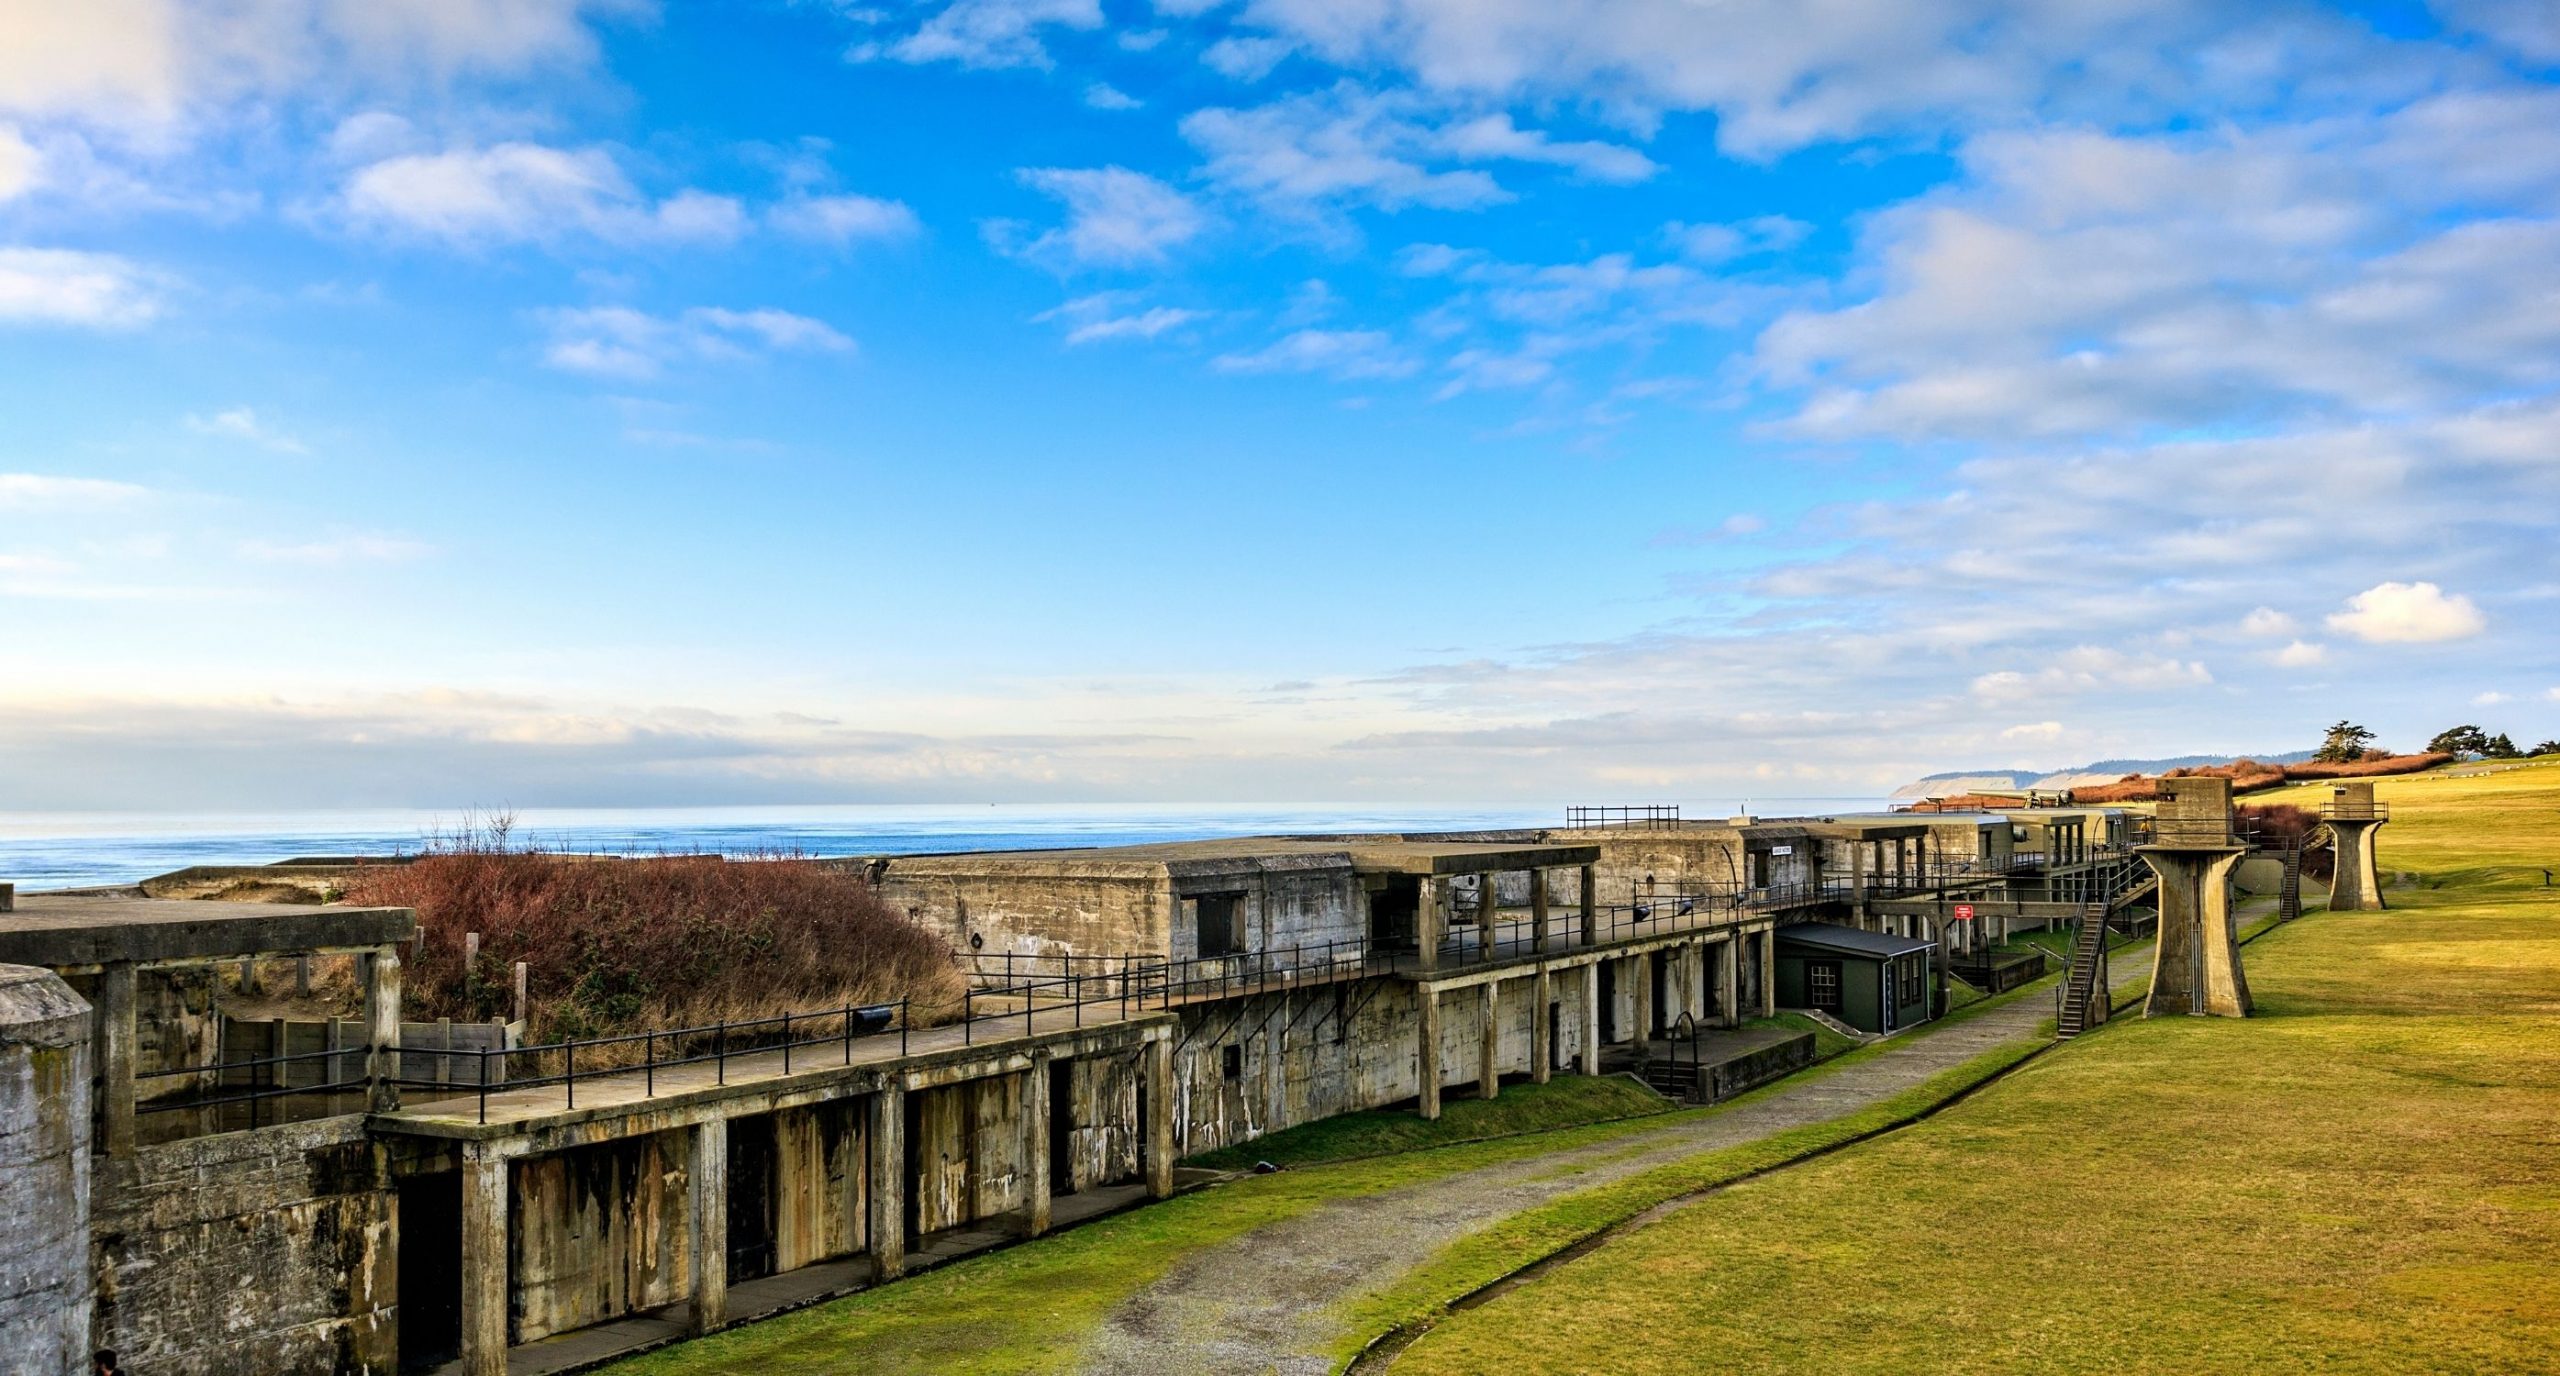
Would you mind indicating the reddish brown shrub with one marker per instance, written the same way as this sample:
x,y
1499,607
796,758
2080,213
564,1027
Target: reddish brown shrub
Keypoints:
x,y
2250,776
620,945
2282,826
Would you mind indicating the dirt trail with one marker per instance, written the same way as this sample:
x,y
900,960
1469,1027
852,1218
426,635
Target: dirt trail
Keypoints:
x,y
1266,1301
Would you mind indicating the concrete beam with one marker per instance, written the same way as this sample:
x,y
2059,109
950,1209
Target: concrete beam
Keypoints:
x,y
1542,993
886,1127
484,1261
1036,1109
381,973
1538,906
115,1056
1164,1100
1489,1044
1427,921
707,1221
1426,1069
1590,904
1486,905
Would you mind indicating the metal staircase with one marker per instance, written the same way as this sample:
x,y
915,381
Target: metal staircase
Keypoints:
x,y
2085,994
1673,1076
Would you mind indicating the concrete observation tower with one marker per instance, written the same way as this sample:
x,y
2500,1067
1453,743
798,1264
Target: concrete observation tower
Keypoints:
x,y
2353,817
2196,967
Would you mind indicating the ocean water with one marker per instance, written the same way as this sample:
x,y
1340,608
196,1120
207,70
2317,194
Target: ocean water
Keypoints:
x,y
41,851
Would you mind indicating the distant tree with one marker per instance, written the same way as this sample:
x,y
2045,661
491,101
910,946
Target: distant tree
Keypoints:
x,y
2547,748
2459,740
2346,744
2500,748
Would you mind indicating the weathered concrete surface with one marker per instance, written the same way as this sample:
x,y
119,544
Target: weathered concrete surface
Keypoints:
x,y
1268,1301
265,1251
44,1173
61,932
2355,882
597,1232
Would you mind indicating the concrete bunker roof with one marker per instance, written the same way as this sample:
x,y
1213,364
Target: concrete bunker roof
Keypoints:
x,y
1362,854
61,931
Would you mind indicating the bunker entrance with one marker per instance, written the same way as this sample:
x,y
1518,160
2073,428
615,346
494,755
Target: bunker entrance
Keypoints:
x,y
1220,929
430,1220
1062,1127
751,1178
1391,913
1609,1003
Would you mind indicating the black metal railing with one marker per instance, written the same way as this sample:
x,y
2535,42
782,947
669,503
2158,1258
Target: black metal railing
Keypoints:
x,y
1621,816
255,1081
2355,812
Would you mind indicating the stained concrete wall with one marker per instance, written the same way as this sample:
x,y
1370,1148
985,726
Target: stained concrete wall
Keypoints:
x,y
820,1186
599,1231
44,1173
967,1146
1096,910
267,1251
1103,1131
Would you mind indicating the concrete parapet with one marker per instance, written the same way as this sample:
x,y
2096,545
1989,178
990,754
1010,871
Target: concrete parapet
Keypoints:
x,y
44,1173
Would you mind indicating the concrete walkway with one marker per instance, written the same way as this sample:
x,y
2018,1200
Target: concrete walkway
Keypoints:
x,y
1267,1301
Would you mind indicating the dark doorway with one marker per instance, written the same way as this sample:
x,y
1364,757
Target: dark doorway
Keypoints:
x,y
751,1172
1658,970
1555,1035
1822,985
1609,1003
1062,1127
1221,924
909,1136
1391,913
430,1263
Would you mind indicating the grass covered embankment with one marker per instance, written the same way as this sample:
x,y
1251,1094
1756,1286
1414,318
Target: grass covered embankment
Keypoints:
x,y
2359,1179
1565,1102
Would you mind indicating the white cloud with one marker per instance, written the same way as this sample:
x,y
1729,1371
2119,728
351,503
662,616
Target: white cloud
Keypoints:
x,y
51,286
51,492
1115,217
1246,59
2406,613
844,219
1723,243
1102,95
520,192
1493,138
2301,654
242,423
20,164
617,341
2090,668
1341,354
2033,731
2268,623
2490,698
1116,315
336,550
989,33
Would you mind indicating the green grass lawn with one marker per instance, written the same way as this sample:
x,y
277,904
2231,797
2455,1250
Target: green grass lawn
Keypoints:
x,y
1826,1043
2361,1179
1567,1101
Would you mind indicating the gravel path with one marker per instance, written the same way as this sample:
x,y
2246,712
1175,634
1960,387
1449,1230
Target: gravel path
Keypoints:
x,y
1265,1302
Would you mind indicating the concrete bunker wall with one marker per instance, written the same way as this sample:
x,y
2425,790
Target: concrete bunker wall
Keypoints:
x,y
600,1233
44,1172
1041,913
1102,1128
269,1250
970,1151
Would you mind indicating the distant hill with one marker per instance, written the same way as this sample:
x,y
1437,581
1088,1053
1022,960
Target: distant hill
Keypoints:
x,y
1956,781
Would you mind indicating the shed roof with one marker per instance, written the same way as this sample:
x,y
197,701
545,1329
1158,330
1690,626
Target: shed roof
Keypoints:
x,y
1823,936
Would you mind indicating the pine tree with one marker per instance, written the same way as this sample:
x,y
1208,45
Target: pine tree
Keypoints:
x,y
2345,744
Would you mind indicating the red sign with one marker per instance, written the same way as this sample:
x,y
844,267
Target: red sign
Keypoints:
x,y
1964,912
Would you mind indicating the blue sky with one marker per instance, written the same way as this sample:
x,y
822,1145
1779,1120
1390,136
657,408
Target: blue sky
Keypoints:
x,y
553,403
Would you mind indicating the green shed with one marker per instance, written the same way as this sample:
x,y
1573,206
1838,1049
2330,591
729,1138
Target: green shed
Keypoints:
x,y
1873,981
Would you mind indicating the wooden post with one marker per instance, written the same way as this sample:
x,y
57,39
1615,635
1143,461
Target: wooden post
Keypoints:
x,y
1538,905
1427,918
381,971
522,1004
1590,905
1486,906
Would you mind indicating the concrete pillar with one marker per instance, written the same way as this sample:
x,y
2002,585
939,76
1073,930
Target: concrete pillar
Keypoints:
x,y
484,1260
1426,1067
1164,1099
1486,906
1591,1018
1639,981
2355,884
2195,965
1036,1109
708,1183
1769,972
115,1056
1538,916
1542,1051
381,974
1590,905
1729,980
1427,916
886,1127
45,1171
1489,1042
